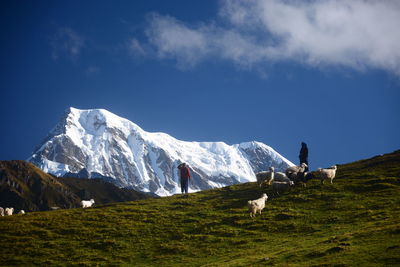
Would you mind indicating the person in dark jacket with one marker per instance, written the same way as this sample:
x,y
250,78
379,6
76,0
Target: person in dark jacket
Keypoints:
x,y
303,156
185,176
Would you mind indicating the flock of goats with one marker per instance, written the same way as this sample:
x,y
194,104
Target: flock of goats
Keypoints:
x,y
280,182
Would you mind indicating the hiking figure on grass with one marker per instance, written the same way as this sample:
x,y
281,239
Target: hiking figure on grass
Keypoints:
x,y
303,156
185,176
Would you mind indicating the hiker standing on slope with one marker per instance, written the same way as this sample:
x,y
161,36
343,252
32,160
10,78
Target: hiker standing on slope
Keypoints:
x,y
303,156
185,176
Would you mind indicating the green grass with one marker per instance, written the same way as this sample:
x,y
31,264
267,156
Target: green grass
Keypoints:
x,y
353,222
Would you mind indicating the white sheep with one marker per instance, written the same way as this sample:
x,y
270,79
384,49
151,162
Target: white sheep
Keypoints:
x,y
9,211
87,203
257,205
21,212
279,187
265,177
327,173
1,211
292,172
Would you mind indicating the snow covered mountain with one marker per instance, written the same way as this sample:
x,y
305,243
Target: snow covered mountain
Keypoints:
x,y
98,143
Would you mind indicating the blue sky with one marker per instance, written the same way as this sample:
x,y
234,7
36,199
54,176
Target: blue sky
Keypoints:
x,y
279,72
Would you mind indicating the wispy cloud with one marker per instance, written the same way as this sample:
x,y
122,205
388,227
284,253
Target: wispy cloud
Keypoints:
x,y
67,43
173,39
136,48
359,34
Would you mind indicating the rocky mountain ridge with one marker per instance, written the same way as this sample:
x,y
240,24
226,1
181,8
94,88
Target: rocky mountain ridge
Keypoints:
x,y
103,144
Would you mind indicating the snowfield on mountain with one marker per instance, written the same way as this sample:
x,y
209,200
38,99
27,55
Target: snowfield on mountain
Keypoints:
x,y
105,145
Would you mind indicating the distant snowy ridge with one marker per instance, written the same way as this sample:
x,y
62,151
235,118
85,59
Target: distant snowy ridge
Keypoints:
x,y
105,144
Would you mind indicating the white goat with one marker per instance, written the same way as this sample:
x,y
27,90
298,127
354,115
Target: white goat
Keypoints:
x,y
87,203
292,172
257,205
1,211
324,174
265,176
279,187
9,211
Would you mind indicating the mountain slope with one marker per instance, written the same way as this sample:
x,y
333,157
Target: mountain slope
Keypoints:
x,y
24,186
103,144
353,222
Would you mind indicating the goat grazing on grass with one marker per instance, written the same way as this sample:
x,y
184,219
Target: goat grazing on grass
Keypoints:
x,y
295,173
325,174
265,177
257,205
9,211
87,203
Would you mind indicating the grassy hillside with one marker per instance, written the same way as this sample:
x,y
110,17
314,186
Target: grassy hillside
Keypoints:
x,y
353,222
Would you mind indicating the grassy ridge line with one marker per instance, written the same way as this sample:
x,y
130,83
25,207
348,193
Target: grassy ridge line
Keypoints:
x,y
355,221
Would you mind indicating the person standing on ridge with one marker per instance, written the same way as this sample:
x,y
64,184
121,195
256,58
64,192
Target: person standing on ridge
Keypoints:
x,y
303,156
185,176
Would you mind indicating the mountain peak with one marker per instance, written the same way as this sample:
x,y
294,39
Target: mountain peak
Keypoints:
x,y
92,116
111,146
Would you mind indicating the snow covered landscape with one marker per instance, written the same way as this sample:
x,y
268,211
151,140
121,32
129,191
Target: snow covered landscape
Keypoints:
x,y
102,144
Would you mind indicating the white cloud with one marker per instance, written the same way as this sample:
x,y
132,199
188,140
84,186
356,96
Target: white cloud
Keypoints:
x,y
354,33
173,39
67,43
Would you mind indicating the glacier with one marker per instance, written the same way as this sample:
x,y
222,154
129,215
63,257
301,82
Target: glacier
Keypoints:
x,y
106,145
